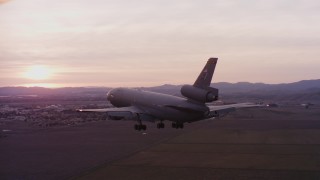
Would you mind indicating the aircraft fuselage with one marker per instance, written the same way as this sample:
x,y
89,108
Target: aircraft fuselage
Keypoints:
x,y
161,106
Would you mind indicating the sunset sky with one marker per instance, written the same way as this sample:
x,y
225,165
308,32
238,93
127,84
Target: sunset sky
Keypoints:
x,y
147,43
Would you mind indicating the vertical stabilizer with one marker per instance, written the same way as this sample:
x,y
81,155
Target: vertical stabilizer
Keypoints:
x,y
204,79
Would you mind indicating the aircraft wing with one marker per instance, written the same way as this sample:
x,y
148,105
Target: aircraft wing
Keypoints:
x,y
126,113
122,109
218,110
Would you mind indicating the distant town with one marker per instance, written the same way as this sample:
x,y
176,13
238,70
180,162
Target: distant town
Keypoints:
x,y
50,110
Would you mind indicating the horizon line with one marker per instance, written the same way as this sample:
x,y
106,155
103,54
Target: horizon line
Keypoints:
x,y
60,87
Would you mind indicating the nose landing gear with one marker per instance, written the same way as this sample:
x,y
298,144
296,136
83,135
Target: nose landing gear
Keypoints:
x,y
140,126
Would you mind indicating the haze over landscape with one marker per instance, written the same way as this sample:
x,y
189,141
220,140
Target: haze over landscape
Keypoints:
x,y
61,61
149,43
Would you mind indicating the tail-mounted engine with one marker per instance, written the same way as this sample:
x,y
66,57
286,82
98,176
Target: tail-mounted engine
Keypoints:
x,y
205,95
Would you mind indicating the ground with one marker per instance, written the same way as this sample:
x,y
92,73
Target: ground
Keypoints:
x,y
273,143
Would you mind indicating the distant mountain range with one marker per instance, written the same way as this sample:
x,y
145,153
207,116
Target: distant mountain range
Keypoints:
x,y
242,87
304,91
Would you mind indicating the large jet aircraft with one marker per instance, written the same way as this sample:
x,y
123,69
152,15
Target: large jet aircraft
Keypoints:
x,y
139,105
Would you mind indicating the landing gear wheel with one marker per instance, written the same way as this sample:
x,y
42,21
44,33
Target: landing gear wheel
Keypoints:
x,y
177,125
181,126
174,125
160,125
140,127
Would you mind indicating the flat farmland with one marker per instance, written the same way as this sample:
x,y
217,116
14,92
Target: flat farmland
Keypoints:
x,y
261,143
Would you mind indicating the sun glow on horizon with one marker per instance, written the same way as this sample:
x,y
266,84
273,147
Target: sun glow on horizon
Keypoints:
x,y
3,1
45,85
38,72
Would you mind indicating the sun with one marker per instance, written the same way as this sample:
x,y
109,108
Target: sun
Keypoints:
x,y
38,72
3,1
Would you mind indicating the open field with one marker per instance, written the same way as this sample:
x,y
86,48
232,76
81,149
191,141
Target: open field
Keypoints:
x,y
274,143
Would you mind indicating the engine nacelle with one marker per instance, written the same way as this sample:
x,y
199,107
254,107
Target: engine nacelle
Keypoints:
x,y
201,95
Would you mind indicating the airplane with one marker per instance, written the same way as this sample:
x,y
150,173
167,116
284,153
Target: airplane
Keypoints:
x,y
141,106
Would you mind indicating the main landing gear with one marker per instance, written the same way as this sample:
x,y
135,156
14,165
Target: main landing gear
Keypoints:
x,y
177,125
160,125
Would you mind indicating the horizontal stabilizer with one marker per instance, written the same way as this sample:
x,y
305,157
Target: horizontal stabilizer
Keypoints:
x,y
221,110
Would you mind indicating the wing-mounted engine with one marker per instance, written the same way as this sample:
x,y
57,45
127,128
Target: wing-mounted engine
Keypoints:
x,y
204,95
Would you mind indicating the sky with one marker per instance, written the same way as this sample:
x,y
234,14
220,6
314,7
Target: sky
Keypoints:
x,y
148,43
